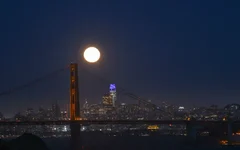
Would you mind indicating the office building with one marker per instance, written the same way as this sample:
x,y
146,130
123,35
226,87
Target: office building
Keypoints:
x,y
107,100
113,94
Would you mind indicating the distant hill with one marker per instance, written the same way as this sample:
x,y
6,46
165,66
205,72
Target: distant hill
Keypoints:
x,y
26,141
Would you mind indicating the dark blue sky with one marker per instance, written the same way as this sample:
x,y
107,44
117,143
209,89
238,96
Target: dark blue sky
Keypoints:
x,y
185,52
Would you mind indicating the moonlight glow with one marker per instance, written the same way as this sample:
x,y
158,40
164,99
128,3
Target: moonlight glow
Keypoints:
x,y
91,54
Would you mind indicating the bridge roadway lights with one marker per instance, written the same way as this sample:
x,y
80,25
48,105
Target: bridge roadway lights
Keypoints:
x,y
90,122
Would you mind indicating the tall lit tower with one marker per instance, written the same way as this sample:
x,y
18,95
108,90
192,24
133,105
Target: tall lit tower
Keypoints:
x,y
74,107
113,93
74,95
91,55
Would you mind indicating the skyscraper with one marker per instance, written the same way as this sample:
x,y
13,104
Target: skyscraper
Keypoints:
x,y
107,100
113,94
1,116
56,111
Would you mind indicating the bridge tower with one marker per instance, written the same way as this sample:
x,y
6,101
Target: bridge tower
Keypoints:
x,y
74,107
74,95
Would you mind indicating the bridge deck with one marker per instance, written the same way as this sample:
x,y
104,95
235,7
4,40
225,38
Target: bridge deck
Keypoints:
x,y
88,122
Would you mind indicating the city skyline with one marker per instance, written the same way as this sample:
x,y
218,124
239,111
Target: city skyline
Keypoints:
x,y
182,53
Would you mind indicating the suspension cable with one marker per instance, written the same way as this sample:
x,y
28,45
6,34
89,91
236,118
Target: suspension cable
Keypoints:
x,y
31,83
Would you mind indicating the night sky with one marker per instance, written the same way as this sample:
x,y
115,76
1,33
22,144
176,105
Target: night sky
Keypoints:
x,y
184,52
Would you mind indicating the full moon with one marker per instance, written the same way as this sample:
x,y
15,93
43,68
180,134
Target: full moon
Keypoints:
x,y
91,54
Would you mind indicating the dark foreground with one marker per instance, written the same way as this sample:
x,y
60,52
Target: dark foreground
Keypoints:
x,y
97,141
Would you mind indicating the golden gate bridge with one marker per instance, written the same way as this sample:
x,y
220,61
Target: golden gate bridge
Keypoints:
x,y
74,101
75,121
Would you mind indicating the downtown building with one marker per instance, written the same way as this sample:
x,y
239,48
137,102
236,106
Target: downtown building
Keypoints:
x,y
113,94
109,99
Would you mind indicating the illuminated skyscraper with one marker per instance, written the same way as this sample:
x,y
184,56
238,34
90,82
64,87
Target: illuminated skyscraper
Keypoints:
x,y
85,105
113,94
107,100
1,116
56,111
